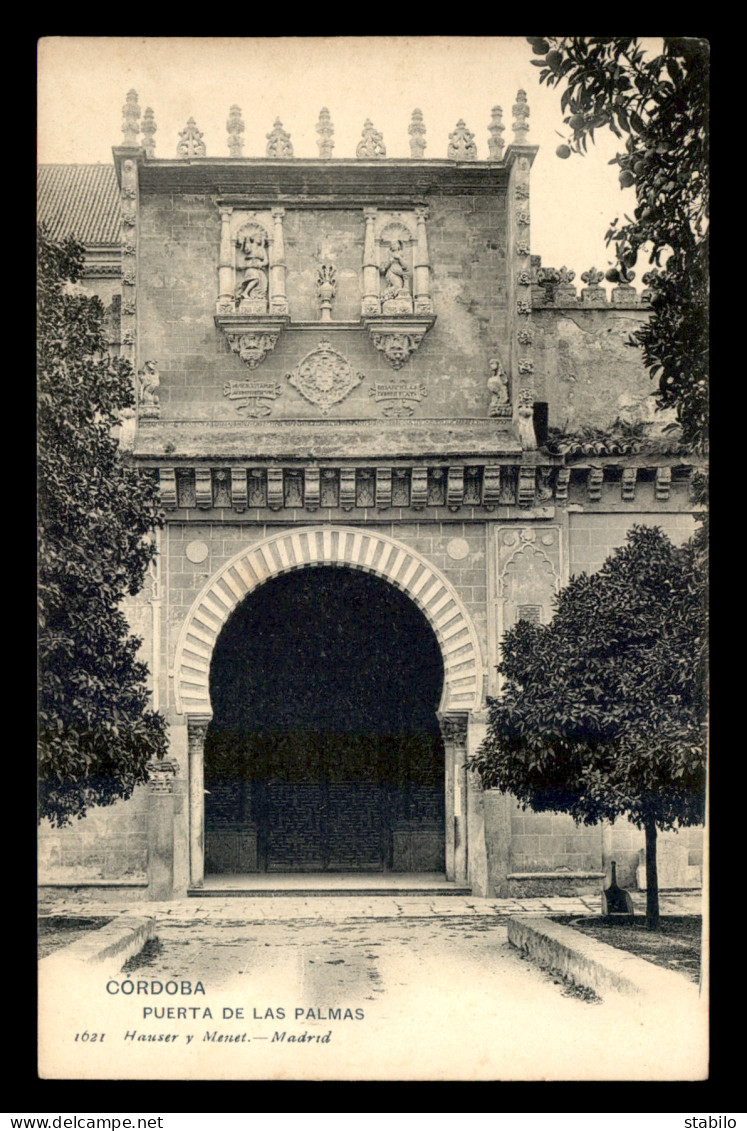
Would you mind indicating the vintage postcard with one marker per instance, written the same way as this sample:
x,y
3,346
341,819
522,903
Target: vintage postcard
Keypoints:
x,y
361,392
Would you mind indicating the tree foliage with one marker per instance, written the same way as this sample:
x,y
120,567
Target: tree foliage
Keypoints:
x,y
96,517
657,106
603,710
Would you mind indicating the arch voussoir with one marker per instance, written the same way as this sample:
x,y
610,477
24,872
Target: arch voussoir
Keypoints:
x,y
351,547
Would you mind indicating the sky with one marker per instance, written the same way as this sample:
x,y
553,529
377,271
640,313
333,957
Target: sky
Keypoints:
x,y
83,81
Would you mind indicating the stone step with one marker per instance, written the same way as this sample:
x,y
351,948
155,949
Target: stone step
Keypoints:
x,y
249,892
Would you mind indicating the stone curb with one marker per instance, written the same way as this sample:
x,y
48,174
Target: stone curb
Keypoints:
x,y
110,945
593,964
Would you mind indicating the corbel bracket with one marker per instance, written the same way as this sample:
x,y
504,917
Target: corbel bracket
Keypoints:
x,y
252,336
398,337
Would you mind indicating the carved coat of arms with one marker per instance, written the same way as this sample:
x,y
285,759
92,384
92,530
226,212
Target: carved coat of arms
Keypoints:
x,y
324,377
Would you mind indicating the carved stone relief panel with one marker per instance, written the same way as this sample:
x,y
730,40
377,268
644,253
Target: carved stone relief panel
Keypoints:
x,y
529,572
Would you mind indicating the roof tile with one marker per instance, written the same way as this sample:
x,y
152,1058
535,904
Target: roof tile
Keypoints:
x,y
80,201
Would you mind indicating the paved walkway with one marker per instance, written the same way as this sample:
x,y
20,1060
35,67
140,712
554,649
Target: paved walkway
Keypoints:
x,y
257,908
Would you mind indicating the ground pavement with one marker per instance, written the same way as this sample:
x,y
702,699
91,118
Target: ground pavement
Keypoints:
x,y
387,987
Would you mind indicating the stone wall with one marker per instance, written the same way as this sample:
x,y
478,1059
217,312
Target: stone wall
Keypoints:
x,y
178,288
552,842
110,843
593,537
585,371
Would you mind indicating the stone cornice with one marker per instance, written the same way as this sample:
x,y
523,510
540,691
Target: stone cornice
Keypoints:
x,y
329,182
432,485
409,438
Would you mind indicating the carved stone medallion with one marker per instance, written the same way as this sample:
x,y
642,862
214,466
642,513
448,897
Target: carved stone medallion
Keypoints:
x,y
324,377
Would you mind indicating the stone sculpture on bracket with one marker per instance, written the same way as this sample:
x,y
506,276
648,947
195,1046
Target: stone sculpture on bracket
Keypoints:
x,y
324,377
252,308
251,292
498,388
148,400
396,279
524,422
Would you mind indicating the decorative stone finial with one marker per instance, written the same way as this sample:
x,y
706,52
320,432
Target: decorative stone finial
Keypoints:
x,y
549,279
592,277
416,130
191,143
278,141
131,119
326,286
496,129
521,114
325,129
149,128
235,127
462,144
371,143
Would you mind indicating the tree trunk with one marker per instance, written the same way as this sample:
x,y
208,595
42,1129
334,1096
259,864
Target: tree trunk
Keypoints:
x,y
652,879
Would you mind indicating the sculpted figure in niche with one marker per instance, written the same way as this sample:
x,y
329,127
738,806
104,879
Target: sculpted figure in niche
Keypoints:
x,y
395,271
254,249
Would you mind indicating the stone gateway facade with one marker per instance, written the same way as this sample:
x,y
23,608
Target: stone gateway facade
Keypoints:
x,y
383,433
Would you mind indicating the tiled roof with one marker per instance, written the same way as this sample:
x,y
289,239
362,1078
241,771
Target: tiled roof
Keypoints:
x,y
80,201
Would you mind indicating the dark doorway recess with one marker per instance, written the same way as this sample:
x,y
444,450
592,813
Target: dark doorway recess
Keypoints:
x,y
324,752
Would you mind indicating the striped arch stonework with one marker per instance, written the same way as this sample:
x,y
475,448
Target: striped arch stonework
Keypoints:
x,y
329,545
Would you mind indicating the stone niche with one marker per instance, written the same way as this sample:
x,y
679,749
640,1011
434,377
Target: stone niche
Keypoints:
x,y
252,306
396,303
528,573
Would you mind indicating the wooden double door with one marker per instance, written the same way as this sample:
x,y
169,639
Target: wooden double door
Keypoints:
x,y
336,826
326,802
322,804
